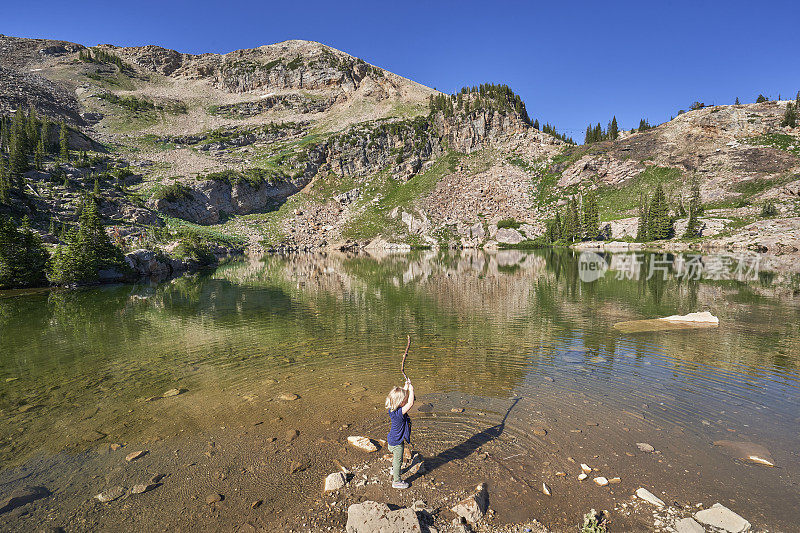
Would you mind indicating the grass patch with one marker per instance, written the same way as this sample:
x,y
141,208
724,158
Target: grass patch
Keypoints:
x,y
616,201
757,186
780,141
113,81
527,244
219,234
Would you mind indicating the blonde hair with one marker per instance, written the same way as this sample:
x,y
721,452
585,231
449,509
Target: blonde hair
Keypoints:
x,y
395,398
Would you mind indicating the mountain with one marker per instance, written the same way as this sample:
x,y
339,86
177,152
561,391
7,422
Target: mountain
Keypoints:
x,y
297,145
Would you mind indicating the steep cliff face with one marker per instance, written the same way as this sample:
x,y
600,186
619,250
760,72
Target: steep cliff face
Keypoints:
x,y
467,132
207,201
370,148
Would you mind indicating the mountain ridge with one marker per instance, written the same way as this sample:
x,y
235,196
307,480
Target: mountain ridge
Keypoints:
x,y
297,145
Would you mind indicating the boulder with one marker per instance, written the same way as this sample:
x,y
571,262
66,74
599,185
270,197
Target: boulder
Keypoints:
x,y
688,525
474,507
362,443
335,481
509,236
723,518
649,497
620,229
370,517
703,316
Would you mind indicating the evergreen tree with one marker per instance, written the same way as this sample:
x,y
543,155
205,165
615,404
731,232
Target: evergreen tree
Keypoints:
x,y
591,217
556,228
567,230
761,98
641,228
87,250
737,101
44,136
19,131
5,184
797,102
38,155
536,123
18,160
63,143
695,210
96,187
659,222
5,135
23,257
588,138
32,130
789,116
572,222
613,129
597,135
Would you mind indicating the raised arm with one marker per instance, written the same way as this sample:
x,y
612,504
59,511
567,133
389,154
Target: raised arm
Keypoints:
x,y
410,403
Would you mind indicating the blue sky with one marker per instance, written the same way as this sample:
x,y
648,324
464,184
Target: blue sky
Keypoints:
x,y
572,62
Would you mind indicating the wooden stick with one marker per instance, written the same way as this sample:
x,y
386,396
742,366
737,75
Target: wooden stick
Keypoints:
x,y
403,363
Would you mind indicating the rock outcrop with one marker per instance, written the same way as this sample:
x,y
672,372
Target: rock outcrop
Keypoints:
x,y
208,201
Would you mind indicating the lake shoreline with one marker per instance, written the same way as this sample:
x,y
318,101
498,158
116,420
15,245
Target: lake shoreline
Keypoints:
x,y
265,472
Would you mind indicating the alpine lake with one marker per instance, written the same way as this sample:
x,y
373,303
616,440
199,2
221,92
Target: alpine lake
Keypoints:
x,y
245,382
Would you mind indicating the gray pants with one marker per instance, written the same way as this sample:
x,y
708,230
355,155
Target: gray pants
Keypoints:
x,y
397,460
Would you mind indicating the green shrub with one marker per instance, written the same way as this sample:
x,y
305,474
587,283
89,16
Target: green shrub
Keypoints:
x,y
508,223
769,210
174,192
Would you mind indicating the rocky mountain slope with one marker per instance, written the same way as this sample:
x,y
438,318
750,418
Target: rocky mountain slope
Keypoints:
x,y
298,145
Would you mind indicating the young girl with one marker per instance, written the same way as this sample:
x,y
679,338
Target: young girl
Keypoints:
x,y
398,402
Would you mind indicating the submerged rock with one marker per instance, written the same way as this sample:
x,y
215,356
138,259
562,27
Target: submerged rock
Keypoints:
x,y
288,397
21,497
747,451
600,480
213,498
723,518
144,487
135,455
111,494
644,447
369,517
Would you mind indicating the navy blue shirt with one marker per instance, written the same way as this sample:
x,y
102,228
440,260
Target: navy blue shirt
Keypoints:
x,y
400,429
